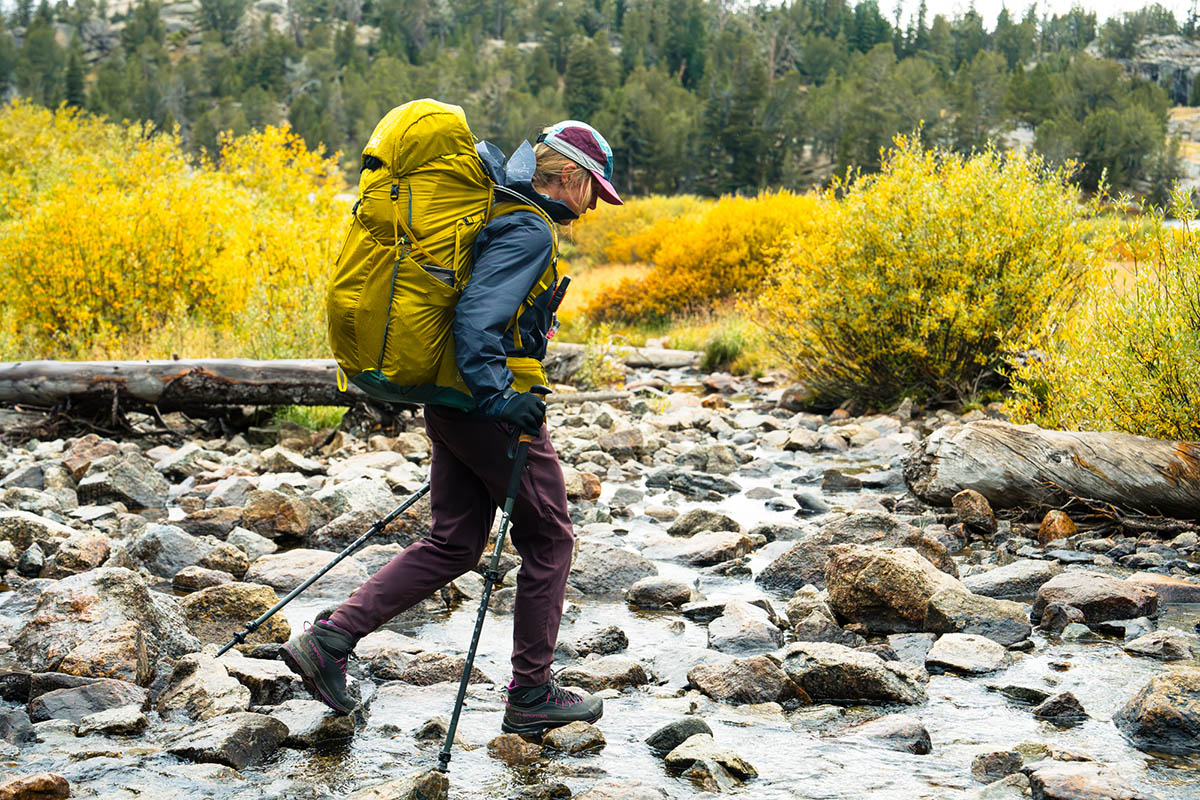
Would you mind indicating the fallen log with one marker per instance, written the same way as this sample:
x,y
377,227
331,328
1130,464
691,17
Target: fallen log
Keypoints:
x,y
176,385
1031,467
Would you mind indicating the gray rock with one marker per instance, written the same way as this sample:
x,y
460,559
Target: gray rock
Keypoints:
x,y
236,740
576,737
1014,787
1100,597
252,544
954,611
758,679
276,515
15,727
311,723
701,519
24,529
287,570
966,653
673,734
127,478
623,789
1019,579
832,672
696,485
195,577
82,701
702,549
1168,645
604,642
817,627
602,569
715,459
912,647
657,592
1063,708
281,459
124,721
702,747
743,629
269,680
218,521
428,785
200,689
623,443
426,669
1057,616
165,549
1165,714
898,732
597,673
991,767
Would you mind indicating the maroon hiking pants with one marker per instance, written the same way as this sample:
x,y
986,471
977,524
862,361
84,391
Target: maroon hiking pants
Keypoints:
x,y
468,480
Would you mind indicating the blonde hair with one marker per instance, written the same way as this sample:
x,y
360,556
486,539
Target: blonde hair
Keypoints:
x,y
552,164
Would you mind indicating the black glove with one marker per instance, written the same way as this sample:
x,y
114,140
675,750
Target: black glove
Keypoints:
x,y
527,411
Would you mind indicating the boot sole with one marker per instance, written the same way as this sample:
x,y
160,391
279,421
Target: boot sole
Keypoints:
x,y
301,668
539,728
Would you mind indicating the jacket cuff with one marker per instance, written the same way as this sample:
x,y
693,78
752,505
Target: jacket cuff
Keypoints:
x,y
495,404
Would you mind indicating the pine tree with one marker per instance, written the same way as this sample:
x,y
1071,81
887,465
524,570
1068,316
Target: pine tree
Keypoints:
x,y
73,86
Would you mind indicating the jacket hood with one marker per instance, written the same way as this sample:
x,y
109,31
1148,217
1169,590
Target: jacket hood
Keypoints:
x,y
516,174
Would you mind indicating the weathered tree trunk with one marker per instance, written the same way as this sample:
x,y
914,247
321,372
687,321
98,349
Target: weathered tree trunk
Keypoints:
x,y
1027,466
176,385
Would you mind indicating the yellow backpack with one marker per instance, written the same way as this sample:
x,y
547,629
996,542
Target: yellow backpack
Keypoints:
x,y
408,255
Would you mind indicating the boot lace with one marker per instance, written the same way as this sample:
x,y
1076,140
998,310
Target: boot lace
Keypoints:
x,y
558,695
341,662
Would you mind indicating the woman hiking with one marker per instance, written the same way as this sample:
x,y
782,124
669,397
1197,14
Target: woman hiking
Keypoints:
x,y
564,174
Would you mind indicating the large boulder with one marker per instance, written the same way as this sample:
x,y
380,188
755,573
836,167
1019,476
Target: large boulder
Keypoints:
x,y
1019,579
236,740
1100,597
287,570
75,609
758,679
887,591
602,569
1165,714
804,562
200,689
114,652
311,723
127,478
954,611
216,613
835,673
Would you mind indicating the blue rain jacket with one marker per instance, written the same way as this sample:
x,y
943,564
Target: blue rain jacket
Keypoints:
x,y
511,253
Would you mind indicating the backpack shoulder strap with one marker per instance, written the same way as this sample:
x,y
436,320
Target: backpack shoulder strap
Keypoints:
x,y
506,201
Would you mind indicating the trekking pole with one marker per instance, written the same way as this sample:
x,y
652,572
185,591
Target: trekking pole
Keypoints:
x,y
240,638
490,578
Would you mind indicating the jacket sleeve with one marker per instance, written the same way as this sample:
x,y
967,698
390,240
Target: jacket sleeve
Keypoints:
x,y
511,254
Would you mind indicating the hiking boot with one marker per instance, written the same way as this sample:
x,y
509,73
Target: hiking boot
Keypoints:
x,y
537,709
319,657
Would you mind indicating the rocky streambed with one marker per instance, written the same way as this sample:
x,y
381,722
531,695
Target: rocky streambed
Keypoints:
x,y
765,607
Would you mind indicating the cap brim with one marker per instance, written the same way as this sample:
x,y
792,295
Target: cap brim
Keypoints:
x,y
606,191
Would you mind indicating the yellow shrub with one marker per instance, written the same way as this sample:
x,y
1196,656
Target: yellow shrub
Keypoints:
x,y
619,233
124,236
924,270
1128,356
712,256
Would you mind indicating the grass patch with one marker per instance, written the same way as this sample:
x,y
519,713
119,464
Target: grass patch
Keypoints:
x,y
312,417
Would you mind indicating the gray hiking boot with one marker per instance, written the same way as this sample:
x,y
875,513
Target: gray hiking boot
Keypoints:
x,y
536,709
319,657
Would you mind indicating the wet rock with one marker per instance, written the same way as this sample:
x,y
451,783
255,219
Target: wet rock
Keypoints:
x,y
657,592
1074,632
695,485
217,522
886,591
804,562
1100,597
1055,525
898,732
123,721
15,727
252,544
429,785
216,613
514,750
623,443
604,642
832,672
311,723
1169,589
912,647
42,786
82,551
715,459
956,611
1057,616
276,515
434,729
991,767
372,495
702,549
165,549
1165,714
269,680
1168,645
602,569
287,570
194,578
810,502
702,747
596,673
802,439
817,627
24,529
1063,709
576,737
236,740
974,512
1075,780
967,654
387,654
1018,579
758,679
127,478
623,789
73,610
673,734
804,602
200,689
1013,787
32,562
117,652
81,701
427,669
837,481
743,629
701,519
